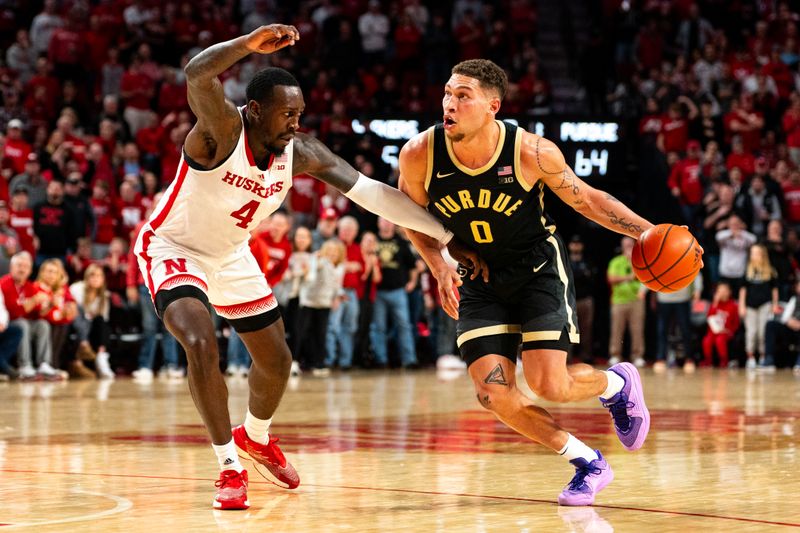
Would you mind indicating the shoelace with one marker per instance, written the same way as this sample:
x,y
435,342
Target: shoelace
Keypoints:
x,y
580,475
619,411
225,478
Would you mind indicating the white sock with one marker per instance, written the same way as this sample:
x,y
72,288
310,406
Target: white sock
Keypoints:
x,y
615,384
227,456
257,429
575,448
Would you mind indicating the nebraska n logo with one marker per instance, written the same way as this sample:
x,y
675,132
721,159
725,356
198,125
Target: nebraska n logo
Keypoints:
x,y
175,264
496,376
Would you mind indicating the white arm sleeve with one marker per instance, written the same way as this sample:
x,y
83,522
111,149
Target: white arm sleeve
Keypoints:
x,y
396,207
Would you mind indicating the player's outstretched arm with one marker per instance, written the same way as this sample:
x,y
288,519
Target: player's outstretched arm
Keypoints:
x,y
218,123
542,160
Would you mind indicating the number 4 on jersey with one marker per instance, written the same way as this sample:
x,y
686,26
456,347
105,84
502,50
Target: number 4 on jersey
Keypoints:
x,y
246,213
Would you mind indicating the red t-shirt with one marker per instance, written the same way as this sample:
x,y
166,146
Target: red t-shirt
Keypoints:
x,y
279,253
139,84
17,150
67,47
304,193
105,220
791,197
685,175
130,214
746,162
729,312
55,315
676,134
352,280
22,222
791,127
14,295
116,280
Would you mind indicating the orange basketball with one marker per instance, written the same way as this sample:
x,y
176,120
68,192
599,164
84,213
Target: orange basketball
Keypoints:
x,y
666,258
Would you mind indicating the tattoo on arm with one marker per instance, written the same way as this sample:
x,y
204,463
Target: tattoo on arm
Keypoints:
x,y
621,222
496,376
568,182
484,401
539,161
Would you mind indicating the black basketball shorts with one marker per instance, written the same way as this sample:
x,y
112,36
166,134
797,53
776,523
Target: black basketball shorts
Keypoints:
x,y
531,301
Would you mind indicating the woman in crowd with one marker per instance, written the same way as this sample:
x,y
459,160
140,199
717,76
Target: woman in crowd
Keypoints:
x,y
59,309
91,323
758,300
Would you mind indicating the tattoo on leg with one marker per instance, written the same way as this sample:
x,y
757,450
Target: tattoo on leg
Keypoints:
x,y
484,401
496,376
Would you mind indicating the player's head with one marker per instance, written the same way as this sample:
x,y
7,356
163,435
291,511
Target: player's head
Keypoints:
x,y
274,105
472,97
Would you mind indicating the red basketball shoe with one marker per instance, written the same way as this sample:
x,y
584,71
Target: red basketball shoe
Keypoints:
x,y
268,459
231,490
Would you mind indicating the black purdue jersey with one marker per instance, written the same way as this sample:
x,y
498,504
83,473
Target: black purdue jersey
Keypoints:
x,y
489,208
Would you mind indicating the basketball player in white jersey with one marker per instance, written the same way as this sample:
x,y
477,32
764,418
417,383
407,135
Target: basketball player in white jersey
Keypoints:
x,y
237,167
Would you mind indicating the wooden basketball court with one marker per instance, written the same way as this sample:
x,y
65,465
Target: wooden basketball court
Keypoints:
x,y
399,452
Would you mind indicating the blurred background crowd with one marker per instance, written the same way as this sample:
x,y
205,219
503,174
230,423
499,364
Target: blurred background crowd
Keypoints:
x,y
93,114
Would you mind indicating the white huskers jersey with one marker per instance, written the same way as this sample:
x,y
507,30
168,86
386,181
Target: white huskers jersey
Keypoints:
x,y
198,233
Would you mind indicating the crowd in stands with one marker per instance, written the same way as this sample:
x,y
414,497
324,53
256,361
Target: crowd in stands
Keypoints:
x,y
713,89
94,113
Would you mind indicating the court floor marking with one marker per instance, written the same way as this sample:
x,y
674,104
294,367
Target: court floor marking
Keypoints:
x,y
409,491
122,505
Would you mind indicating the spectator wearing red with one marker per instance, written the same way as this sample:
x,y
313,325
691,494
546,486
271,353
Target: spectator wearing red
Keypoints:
x,y
739,158
23,299
303,197
321,95
674,132
136,89
649,45
105,217
723,321
78,262
791,127
44,80
469,36
684,181
171,152
746,122
129,209
59,308
781,73
16,149
115,265
279,248
407,42
98,39
68,50
98,166
9,240
22,219
172,96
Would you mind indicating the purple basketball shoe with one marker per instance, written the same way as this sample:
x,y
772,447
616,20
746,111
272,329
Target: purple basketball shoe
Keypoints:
x,y
589,479
630,414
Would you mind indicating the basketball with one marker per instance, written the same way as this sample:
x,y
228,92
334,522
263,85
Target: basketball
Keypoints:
x,y
666,258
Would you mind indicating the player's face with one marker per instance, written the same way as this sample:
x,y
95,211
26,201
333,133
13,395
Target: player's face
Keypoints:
x,y
467,106
277,120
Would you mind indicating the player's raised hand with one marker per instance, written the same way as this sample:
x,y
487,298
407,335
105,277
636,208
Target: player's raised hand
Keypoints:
x,y
469,258
269,39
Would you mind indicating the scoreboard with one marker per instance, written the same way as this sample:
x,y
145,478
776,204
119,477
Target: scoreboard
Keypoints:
x,y
594,149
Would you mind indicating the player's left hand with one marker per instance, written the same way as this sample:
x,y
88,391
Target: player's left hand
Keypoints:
x,y
469,258
448,280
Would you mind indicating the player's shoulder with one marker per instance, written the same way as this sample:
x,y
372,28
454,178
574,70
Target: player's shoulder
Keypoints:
x,y
418,144
540,154
415,156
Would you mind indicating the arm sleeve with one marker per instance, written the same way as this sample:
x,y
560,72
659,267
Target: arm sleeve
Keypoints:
x,y
396,207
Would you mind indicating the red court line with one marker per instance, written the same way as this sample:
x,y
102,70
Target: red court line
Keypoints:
x,y
428,493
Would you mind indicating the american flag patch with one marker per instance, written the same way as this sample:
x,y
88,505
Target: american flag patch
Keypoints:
x,y
283,158
505,171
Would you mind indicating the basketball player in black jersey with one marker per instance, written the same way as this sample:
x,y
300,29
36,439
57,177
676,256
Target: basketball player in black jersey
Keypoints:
x,y
485,181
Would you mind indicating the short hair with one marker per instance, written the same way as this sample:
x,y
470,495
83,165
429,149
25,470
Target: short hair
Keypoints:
x,y
486,72
261,86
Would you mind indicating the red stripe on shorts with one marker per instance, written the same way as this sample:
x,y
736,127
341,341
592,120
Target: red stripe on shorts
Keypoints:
x,y
256,307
